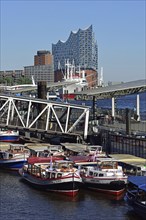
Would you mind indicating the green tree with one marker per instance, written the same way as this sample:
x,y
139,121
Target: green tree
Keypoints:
x,y
1,80
23,80
9,81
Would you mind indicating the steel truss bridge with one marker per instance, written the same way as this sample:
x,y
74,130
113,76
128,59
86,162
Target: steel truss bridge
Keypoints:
x,y
121,89
43,116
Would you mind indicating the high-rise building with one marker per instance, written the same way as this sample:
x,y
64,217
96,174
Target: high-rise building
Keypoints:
x,y
80,48
43,68
43,57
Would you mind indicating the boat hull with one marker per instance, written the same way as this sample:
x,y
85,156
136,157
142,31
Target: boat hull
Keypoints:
x,y
68,186
137,206
14,164
140,209
113,188
8,138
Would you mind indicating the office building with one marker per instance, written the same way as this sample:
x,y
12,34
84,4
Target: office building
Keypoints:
x,y
43,57
40,72
43,68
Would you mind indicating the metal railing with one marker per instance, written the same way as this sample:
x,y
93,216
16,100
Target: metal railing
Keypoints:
x,y
37,114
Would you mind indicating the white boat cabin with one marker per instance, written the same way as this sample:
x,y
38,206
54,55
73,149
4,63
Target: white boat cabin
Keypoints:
x,y
14,150
46,151
17,148
103,167
54,169
4,155
95,150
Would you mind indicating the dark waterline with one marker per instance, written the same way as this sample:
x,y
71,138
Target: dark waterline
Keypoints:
x,y
19,201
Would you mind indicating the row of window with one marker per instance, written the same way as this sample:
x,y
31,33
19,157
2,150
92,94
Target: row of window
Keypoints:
x,y
96,174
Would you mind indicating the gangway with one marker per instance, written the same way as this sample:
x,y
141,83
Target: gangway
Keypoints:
x,y
33,114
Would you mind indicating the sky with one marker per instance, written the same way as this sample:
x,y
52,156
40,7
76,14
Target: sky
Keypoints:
x,y
119,26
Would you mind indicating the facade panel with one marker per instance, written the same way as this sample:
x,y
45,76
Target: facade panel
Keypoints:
x,y
43,57
81,47
40,72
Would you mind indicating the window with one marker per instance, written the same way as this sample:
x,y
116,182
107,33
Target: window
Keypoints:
x,y
59,175
53,175
91,173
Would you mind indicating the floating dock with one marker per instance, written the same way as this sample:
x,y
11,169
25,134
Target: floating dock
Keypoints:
x,y
4,146
75,147
133,164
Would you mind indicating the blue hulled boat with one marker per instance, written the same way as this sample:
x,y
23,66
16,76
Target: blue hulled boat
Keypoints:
x,y
136,194
13,158
9,135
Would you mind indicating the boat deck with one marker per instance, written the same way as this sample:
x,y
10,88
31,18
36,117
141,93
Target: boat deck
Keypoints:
x,y
4,146
76,147
130,160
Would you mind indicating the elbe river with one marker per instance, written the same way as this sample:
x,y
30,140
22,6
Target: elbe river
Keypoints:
x,y
122,102
20,201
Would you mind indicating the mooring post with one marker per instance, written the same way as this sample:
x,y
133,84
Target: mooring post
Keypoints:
x,y
42,94
42,89
93,107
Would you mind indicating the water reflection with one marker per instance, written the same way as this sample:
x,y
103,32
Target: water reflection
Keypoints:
x,y
20,201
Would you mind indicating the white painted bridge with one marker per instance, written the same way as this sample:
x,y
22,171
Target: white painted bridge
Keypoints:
x,y
39,115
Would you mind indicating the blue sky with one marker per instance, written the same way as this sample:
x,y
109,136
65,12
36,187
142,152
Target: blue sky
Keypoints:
x,y
119,27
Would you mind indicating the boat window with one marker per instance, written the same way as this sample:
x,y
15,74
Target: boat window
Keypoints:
x,y
107,165
91,173
95,174
115,165
46,175
141,195
1,155
43,174
29,166
10,155
100,174
53,175
70,166
59,175
49,175
5,155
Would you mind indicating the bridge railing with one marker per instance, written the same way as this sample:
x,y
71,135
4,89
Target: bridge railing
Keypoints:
x,y
29,113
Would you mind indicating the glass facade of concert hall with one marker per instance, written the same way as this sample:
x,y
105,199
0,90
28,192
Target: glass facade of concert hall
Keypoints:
x,y
80,48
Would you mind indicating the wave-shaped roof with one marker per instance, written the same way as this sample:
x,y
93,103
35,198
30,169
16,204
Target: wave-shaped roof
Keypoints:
x,y
73,33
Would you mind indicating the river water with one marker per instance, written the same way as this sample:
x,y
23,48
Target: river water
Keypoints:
x,y
128,101
20,201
